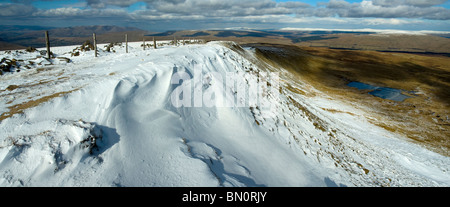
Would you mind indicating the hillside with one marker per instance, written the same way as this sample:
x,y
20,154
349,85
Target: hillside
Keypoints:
x,y
424,79
384,42
19,37
168,117
22,37
394,42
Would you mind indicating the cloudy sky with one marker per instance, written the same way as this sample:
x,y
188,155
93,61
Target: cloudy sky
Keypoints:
x,y
159,15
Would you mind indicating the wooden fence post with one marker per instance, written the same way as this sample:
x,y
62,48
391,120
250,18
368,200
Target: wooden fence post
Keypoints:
x,y
143,39
126,42
154,43
95,44
47,42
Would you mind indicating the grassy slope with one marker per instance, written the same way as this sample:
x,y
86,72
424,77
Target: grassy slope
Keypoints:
x,y
384,42
423,118
374,42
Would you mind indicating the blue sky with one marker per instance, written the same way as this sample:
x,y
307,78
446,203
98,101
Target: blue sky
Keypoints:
x,y
158,15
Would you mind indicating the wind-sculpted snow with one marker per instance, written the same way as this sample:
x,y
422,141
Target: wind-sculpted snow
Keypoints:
x,y
168,117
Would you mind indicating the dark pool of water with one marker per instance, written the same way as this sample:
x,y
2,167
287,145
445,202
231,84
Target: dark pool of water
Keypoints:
x,y
382,92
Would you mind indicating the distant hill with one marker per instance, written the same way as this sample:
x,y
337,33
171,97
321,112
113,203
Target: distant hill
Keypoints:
x,y
383,42
85,31
18,37
411,43
10,46
22,28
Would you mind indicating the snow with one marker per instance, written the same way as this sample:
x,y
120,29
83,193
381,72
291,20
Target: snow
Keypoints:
x,y
116,125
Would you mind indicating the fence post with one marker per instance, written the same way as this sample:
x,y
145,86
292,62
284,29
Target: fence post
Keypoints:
x,y
95,44
47,42
143,39
126,43
154,43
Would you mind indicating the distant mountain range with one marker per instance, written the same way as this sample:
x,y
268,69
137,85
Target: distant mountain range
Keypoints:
x,y
20,37
413,42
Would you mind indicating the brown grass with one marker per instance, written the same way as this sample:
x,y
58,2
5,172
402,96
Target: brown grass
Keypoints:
x,y
317,122
407,43
295,90
424,118
339,111
12,87
19,108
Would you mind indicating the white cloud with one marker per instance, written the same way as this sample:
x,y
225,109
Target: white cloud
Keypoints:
x,y
390,21
417,3
388,9
338,4
220,12
18,10
384,9
293,4
81,13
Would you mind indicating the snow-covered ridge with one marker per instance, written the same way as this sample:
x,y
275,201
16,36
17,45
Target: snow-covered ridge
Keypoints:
x,y
113,123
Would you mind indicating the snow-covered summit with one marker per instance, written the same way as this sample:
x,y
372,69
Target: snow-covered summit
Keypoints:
x,y
113,121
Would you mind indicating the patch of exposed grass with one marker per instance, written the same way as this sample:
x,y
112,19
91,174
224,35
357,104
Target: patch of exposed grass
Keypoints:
x,y
20,108
12,87
63,78
295,90
339,111
317,122
42,69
